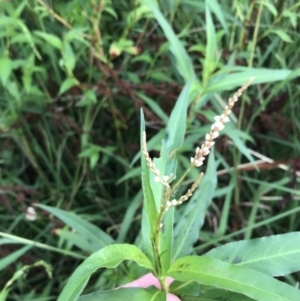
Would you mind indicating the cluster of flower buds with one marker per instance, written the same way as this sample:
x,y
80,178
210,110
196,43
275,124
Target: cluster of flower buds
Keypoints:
x,y
200,153
165,180
204,150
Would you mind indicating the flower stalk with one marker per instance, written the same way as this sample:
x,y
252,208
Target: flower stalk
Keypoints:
x,y
196,161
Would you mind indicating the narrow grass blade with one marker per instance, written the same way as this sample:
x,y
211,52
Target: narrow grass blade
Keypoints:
x,y
235,77
6,261
93,234
183,61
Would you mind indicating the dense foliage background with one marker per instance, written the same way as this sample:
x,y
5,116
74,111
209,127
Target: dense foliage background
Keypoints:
x,y
74,75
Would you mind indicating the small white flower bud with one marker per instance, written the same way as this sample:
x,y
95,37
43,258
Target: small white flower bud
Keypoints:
x,y
214,135
30,214
174,202
217,118
205,151
207,137
198,163
225,118
217,126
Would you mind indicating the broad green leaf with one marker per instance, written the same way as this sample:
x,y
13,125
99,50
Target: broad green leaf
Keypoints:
x,y
7,260
6,67
69,58
254,284
187,229
67,84
96,237
275,255
150,209
50,38
283,35
237,76
183,61
108,257
126,294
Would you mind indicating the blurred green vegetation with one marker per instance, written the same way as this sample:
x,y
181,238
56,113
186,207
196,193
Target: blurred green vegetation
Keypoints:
x,y
73,76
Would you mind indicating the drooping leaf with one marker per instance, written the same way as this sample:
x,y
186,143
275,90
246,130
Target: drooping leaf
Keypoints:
x,y
108,257
50,39
276,255
234,77
96,237
283,35
126,294
187,229
254,284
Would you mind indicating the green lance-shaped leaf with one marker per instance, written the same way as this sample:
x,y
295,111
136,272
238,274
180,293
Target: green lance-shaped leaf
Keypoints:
x,y
254,284
108,257
95,236
126,294
167,164
276,255
150,208
186,231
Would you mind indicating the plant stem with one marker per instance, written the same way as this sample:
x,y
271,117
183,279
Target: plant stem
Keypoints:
x,y
255,34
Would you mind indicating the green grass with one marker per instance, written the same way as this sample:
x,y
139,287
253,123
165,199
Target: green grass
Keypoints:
x,y
69,150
